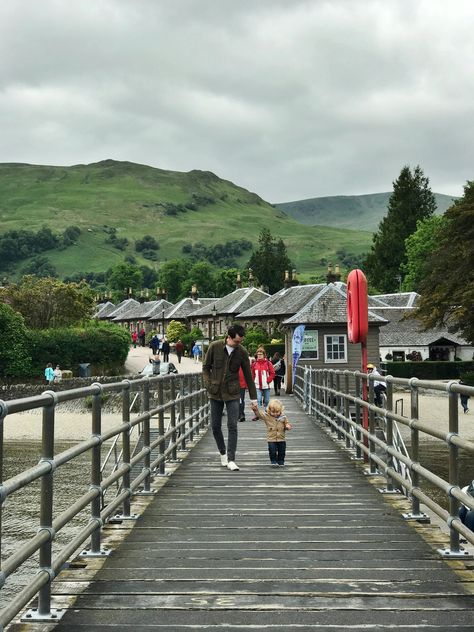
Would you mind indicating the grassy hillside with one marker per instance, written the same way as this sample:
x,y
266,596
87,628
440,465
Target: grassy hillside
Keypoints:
x,y
355,212
176,208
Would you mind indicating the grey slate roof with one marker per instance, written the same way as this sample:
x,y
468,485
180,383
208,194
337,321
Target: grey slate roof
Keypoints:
x,y
234,303
104,309
328,306
185,307
407,332
400,299
123,307
285,302
147,310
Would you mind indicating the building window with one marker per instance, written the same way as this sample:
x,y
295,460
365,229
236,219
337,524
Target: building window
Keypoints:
x,y
335,348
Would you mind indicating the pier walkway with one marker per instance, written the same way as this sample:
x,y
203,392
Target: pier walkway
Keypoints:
x,y
311,546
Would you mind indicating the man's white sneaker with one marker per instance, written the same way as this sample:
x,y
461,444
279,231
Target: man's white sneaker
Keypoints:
x,y
224,460
232,465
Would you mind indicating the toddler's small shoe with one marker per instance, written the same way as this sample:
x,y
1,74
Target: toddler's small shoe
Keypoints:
x,y
232,466
254,418
224,460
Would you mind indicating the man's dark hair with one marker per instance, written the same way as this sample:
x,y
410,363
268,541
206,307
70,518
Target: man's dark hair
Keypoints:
x,y
236,330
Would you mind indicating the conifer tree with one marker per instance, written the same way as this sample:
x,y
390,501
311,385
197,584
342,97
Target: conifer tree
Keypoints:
x,y
270,261
411,200
447,292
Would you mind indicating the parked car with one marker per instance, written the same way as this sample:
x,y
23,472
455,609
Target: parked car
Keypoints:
x,y
165,369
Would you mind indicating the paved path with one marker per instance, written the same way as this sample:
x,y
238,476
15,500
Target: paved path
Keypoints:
x,y
312,546
139,357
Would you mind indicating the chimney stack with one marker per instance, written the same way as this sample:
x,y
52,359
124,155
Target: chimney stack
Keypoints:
x,y
238,284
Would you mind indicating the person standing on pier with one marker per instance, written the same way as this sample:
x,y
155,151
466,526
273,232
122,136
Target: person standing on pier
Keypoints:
x,y
221,378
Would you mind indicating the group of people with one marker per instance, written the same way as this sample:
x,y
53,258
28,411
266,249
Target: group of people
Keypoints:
x,y
53,376
227,374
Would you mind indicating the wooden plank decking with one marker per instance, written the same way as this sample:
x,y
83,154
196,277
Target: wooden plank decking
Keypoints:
x,y
312,546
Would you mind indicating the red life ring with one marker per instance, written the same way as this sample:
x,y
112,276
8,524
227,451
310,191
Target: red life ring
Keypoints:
x,y
357,307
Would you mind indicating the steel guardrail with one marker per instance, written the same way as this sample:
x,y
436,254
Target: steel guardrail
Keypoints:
x,y
189,413
327,395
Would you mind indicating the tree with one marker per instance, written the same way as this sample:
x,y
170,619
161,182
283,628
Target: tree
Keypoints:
x,y
447,292
15,359
46,302
411,200
200,274
40,266
175,330
146,243
419,247
124,276
225,281
170,276
270,261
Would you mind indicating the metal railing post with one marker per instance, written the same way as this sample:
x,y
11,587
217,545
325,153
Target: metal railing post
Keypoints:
x,y
358,414
126,447
174,452
182,413
161,427
339,405
146,435
95,467
46,505
347,413
415,453
372,466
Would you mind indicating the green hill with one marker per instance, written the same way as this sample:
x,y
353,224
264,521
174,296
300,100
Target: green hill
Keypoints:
x,y
176,208
355,212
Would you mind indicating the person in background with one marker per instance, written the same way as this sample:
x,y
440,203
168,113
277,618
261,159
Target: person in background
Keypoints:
x,y
464,400
277,424
379,387
179,348
243,388
134,339
155,361
142,336
154,344
49,373
220,372
165,350
280,369
262,374
196,352
58,374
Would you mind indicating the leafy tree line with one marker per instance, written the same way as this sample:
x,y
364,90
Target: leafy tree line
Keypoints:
x,y
416,250
16,245
222,255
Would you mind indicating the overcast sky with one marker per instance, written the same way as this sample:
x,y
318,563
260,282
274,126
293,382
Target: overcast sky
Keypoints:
x,y
291,99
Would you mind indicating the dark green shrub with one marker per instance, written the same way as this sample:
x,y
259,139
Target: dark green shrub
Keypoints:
x,y
103,345
15,356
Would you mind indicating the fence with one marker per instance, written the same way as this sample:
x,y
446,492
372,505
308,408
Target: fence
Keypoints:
x,y
334,398
179,400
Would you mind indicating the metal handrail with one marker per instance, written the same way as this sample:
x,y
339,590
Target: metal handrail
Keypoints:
x,y
322,396
193,417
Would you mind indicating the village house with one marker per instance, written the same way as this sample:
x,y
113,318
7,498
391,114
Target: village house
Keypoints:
x,y
404,338
184,308
214,318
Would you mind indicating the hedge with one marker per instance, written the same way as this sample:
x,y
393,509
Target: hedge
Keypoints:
x,y
428,370
103,345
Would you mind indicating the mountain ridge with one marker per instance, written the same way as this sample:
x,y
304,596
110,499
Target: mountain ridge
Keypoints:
x,y
354,212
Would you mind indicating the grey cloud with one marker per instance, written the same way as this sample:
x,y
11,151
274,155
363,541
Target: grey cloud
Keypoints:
x,y
289,99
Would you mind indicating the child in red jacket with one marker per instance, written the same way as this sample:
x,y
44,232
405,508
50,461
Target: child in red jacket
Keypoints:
x,y
263,374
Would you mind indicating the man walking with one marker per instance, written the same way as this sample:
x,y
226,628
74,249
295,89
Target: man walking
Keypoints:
x,y
221,378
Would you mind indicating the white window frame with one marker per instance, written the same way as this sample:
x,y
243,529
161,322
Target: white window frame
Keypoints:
x,y
328,360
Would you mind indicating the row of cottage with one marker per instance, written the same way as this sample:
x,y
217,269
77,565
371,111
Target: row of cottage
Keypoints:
x,y
320,308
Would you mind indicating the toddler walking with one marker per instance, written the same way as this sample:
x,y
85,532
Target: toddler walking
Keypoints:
x,y
277,424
